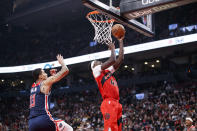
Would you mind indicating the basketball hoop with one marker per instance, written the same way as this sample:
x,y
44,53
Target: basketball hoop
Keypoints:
x,y
102,24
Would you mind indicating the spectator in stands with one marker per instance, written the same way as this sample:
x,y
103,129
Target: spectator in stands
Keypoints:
x,y
164,109
188,123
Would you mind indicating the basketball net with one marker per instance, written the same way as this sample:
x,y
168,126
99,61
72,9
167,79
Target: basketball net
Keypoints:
x,y
102,25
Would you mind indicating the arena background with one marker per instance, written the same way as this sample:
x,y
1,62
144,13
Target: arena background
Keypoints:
x,y
158,88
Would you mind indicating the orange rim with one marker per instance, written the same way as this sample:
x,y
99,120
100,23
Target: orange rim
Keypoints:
x,y
96,21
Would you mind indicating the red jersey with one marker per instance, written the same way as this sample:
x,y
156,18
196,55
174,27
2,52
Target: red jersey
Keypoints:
x,y
106,82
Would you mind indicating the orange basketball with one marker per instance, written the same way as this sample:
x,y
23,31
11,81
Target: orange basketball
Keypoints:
x,y
118,31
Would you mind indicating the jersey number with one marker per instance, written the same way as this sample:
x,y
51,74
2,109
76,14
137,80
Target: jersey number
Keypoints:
x,y
32,100
113,82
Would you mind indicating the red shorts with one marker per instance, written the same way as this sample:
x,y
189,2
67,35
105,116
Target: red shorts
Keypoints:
x,y
112,115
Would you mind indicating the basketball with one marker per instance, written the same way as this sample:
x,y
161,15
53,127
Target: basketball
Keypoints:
x,y
118,31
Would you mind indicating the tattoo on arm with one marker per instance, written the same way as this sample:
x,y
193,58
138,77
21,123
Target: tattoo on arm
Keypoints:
x,y
42,89
110,61
63,72
120,57
55,78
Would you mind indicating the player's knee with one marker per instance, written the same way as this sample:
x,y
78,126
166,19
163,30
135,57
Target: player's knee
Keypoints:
x,y
64,126
70,128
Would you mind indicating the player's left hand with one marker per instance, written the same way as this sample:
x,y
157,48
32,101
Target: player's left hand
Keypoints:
x,y
120,39
53,71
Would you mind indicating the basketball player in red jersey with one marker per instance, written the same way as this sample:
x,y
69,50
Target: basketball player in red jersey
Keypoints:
x,y
103,74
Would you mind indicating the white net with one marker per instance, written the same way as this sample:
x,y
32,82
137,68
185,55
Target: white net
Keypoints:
x,y
102,24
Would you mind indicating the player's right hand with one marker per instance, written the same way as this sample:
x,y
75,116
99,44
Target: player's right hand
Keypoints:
x,y
121,39
111,46
60,59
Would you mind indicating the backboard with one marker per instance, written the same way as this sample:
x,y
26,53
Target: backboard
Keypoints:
x,y
130,10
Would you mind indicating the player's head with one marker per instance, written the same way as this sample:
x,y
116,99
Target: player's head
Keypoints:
x,y
188,121
39,74
94,64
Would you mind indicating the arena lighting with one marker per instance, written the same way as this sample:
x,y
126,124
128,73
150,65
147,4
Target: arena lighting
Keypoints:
x,y
132,69
105,54
157,61
126,66
21,82
152,66
146,63
13,83
2,80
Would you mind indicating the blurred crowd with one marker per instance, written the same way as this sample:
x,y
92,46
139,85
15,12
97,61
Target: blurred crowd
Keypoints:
x,y
164,107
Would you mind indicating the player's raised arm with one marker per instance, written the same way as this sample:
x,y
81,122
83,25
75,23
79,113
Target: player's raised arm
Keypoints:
x,y
63,72
121,54
112,58
55,77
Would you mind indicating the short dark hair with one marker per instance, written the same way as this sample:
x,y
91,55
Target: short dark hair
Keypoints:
x,y
36,73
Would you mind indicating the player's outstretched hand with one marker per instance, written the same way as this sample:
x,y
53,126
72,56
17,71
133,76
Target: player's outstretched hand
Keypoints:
x,y
60,59
53,71
111,46
121,39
